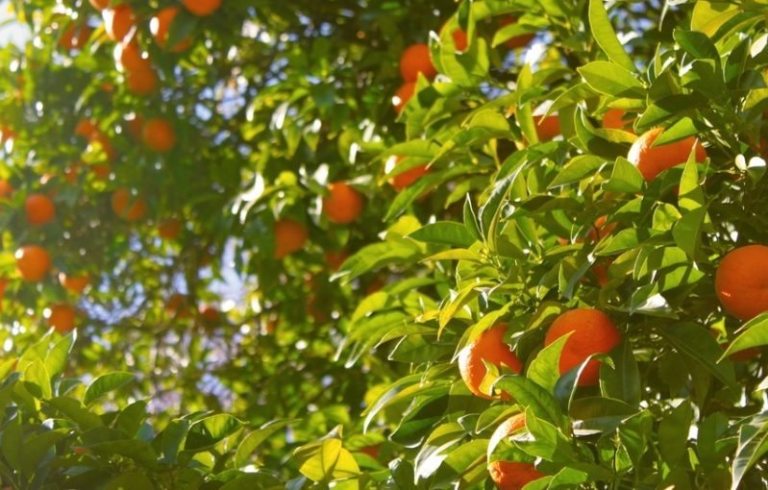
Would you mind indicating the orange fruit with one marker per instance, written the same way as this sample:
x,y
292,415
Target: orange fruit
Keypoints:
x,y
414,60
209,314
489,347
7,134
600,229
127,206
61,317
73,283
334,258
372,451
129,57
177,305
518,41
86,128
3,285
75,36
39,209
101,140
460,41
134,124
512,425
141,82
614,119
201,8
6,189
405,179
290,237
158,135
509,475
741,281
547,127
33,262
169,228
118,21
652,160
403,95
160,26
593,333
101,171
100,4
343,204
600,270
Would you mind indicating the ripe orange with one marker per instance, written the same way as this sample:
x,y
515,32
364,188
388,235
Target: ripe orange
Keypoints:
x,y
169,228
75,36
100,4
6,134
509,475
600,229
343,204
741,281
290,237
6,189
614,119
101,171
3,285
405,179
101,140
61,317
86,128
134,124
652,160
158,135
118,21
334,259
129,57
547,127
141,82
403,95
414,60
33,262
201,8
177,305
518,41
372,451
127,206
160,26
39,209
489,347
593,333
209,314
460,41
73,283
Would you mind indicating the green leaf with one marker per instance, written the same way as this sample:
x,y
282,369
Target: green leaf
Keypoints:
x,y
330,461
36,447
210,430
708,16
531,396
131,417
753,444
687,231
38,375
76,412
754,334
697,45
58,356
576,169
254,439
444,233
673,434
611,79
130,480
544,369
104,384
172,438
694,342
603,33
623,381
625,177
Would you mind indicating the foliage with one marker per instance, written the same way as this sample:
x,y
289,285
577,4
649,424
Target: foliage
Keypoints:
x,y
310,373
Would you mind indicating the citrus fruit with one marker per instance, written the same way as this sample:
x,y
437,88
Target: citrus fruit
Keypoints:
x,y
490,348
33,262
343,204
160,26
169,228
118,21
39,209
61,317
334,259
510,475
74,283
158,135
741,281
614,119
405,179
75,36
129,57
290,237
403,95
414,60
141,81
127,206
460,41
593,333
652,160
547,127
6,189
517,41
201,8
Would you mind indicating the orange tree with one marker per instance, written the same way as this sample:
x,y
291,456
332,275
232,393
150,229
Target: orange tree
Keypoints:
x,y
384,244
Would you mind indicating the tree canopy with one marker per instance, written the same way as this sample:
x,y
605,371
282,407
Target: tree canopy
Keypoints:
x,y
391,244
